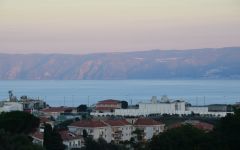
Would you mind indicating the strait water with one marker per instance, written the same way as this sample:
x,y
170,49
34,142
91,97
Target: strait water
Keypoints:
x,y
76,92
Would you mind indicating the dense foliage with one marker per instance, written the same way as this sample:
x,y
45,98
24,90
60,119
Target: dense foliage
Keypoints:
x,y
14,130
101,144
82,108
16,142
183,138
52,139
124,104
227,132
225,136
18,122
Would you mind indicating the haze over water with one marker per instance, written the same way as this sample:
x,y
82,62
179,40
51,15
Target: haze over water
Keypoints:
x,y
76,92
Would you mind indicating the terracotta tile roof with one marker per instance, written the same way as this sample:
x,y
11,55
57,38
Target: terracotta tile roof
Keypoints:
x,y
197,124
122,122
146,121
204,126
89,123
44,119
109,101
38,135
67,136
56,109
104,108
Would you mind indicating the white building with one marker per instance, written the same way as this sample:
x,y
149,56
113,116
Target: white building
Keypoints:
x,y
121,130
117,130
202,110
164,106
149,127
70,140
54,112
7,106
175,107
95,129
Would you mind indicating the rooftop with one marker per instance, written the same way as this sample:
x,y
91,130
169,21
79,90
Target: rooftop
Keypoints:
x,y
67,136
89,123
56,109
109,101
146,121
38,135
121,122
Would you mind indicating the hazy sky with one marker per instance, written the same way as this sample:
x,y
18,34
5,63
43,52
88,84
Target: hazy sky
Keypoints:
x,y
86,26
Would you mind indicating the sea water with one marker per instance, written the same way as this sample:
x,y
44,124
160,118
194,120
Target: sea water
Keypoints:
x,y
76,92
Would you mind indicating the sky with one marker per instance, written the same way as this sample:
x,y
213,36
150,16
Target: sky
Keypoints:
x,y
92,26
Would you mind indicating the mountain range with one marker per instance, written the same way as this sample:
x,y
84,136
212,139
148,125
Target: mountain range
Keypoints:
x,y
208,63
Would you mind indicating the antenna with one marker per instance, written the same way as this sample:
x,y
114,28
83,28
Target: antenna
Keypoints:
x,y
72,100
204,98
64,101
88,101
196,101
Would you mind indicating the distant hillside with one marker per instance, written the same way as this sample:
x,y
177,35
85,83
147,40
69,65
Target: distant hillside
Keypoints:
x,y
222,63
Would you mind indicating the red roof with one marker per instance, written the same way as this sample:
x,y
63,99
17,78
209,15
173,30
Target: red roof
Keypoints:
x,y
44,120
89,123
56,109
104,108
204,126
122,122
67,136
38,135
146,121
109,101
197,124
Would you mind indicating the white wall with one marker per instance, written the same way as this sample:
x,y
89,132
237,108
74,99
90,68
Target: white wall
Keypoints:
x,y
11,106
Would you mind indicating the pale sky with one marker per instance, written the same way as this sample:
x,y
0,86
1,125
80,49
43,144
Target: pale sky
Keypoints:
x,y
88,26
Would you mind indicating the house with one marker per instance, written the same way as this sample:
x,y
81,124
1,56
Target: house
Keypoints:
x,y
70,140
121,130
43,121
37,138
54,112
149,127
108,105
94,128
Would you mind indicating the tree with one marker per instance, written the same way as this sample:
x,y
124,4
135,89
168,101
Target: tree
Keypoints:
x,y
227,131
52,139
139,134
16,142
18,122
183,138
101,144
124,104
82,108
137,143
85,134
